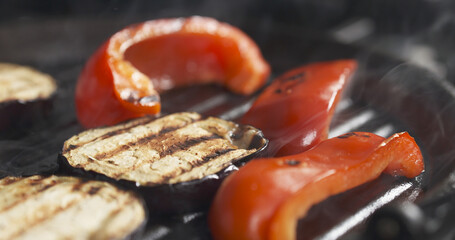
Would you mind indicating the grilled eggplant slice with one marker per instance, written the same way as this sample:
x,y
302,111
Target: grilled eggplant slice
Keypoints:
x,y
176,161
25,96
58,207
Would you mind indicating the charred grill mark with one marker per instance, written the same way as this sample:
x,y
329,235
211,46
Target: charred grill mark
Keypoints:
x,y
111,153
10,180
45,187
110,134
40,187
141,141
175,146
93,190
125,202
172,145
168,177
70,148
106,222
107,135
112,162
79,184
35,181
169,129
44,218
139,122
215,154
203,160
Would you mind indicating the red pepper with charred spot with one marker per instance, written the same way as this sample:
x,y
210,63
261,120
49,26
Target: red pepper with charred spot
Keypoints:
x,y
295,111
123,79
266,197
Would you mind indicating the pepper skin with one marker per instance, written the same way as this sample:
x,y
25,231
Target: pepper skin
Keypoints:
x,y
295,111
266,197
124,77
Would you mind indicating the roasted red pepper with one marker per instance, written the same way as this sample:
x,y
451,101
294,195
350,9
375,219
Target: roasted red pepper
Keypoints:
x,y
266,197
295,111
123,78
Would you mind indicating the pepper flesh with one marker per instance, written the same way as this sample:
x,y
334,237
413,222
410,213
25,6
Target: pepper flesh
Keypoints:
x,y
122,80
266,197
295,111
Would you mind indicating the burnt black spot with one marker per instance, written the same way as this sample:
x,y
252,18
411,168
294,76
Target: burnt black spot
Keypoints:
x,y
112,162
292,162
72,146
93,190
278,91
365,136
347,135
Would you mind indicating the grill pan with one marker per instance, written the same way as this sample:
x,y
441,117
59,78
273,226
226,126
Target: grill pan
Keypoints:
x,y
386,96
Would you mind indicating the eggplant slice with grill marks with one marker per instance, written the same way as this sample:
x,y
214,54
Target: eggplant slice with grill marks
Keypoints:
x,y
25,96
176,162
59,207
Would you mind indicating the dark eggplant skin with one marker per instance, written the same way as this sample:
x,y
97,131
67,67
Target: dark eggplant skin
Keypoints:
x,y
17,117
178,198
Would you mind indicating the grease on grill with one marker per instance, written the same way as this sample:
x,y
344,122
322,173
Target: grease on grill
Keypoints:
x,y
175,148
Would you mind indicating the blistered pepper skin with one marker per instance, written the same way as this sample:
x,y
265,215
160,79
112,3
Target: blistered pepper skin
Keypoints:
x,y
266,197
295,111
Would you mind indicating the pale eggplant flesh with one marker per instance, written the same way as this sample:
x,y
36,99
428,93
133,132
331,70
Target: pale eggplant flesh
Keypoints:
x,y
176,162
61,207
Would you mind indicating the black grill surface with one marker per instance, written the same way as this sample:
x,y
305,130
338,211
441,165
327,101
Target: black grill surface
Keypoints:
x,y
386,96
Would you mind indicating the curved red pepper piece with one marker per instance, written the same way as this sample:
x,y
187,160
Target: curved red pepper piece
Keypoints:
x,y
266,197
123,79
295,111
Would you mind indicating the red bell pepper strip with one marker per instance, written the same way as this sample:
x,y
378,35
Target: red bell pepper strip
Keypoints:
x,y
295,111
266,197
122,80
